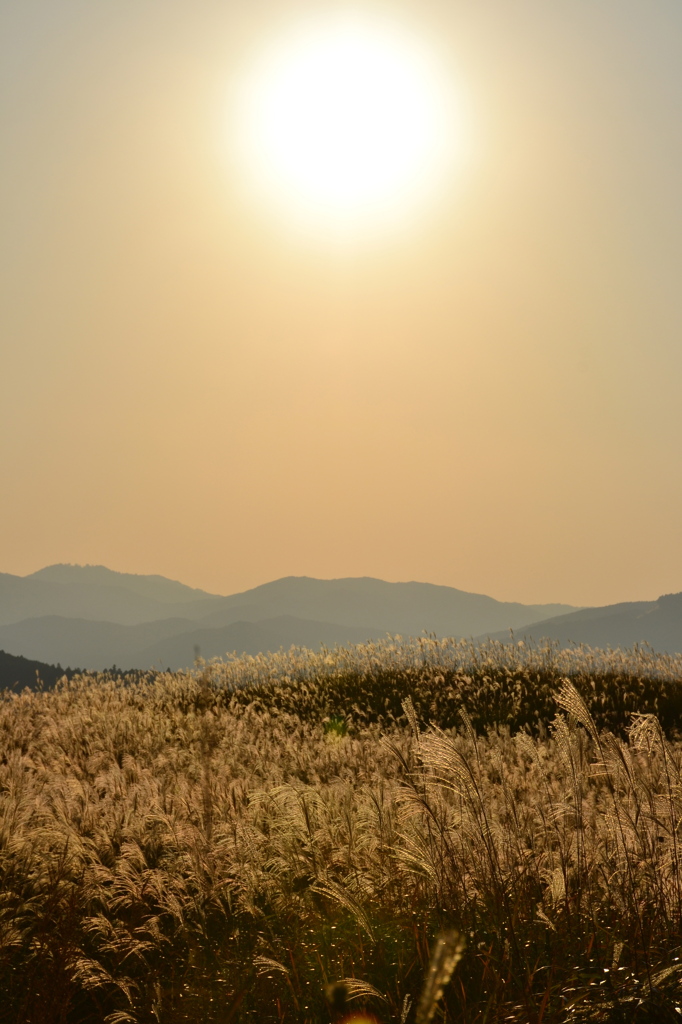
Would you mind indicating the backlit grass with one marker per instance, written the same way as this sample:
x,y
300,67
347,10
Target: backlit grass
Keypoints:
x,y
284,838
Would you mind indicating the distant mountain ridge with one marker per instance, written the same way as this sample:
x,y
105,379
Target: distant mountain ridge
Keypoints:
x,y
93,592
98,593
157,588
95,617
657,623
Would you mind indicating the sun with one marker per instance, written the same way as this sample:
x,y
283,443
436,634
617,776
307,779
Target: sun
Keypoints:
x,y
346,122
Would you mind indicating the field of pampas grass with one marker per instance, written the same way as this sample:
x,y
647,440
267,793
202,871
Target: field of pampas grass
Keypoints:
x,y
404,832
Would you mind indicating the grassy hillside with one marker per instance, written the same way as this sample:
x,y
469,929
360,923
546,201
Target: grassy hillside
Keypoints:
x,y
225,845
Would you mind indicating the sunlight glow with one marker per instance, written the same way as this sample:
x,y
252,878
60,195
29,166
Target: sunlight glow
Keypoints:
x,y
347,122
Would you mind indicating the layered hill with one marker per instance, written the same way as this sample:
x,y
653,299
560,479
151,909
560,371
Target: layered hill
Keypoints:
x,y
97,618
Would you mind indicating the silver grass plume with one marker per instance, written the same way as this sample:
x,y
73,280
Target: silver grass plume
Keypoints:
x,y
355,988
411,715
263,964
446,954
340,993
570,700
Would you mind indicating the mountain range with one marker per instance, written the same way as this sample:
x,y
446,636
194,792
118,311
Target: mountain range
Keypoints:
x,y
96,618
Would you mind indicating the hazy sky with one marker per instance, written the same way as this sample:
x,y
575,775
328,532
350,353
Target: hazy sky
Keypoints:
x,y
488,398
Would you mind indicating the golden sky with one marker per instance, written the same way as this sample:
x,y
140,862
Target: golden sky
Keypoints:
x,y
486,396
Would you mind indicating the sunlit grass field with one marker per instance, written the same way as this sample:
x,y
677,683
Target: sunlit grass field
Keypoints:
x,y
226,845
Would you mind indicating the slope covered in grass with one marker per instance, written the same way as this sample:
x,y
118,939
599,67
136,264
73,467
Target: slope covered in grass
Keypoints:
x,y
222,845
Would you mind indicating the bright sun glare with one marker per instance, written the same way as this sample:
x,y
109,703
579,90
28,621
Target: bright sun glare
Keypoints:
x,y
347,122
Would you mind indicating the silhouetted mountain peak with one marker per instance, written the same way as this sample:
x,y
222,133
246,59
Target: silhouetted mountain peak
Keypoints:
x,y
158,588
